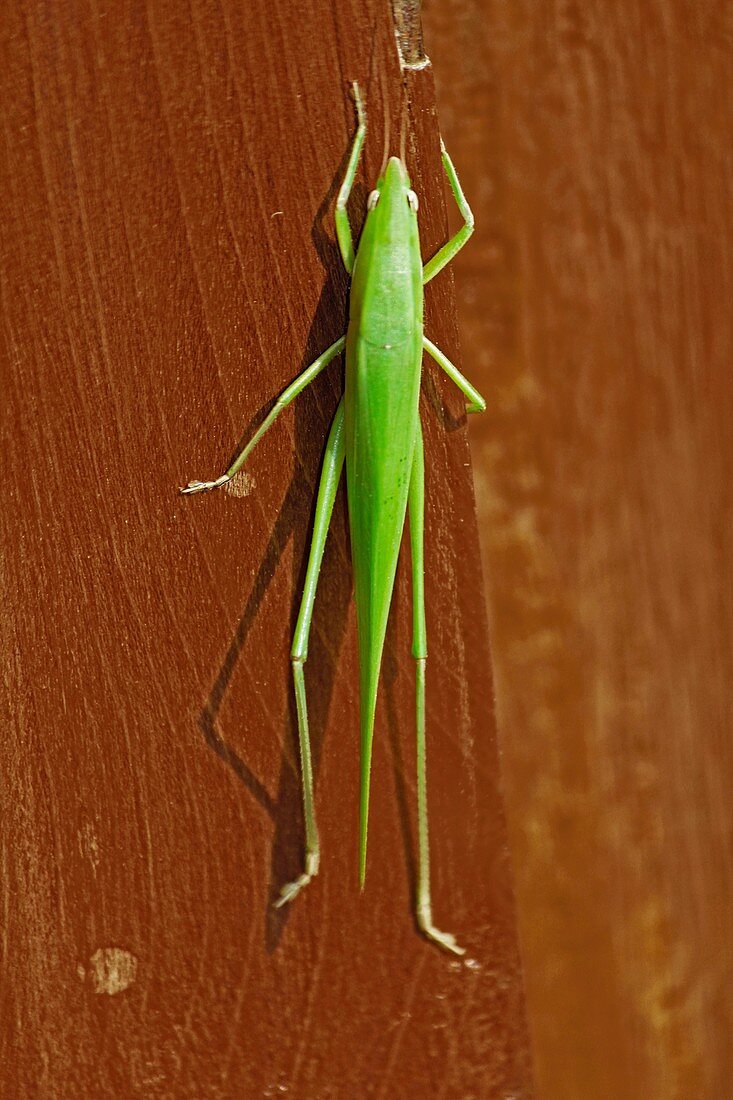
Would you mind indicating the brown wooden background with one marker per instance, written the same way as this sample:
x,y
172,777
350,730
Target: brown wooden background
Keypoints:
x,y
594,141
168,265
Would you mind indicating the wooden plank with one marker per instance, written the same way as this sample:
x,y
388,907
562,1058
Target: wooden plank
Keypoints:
x,y
594,307
168,265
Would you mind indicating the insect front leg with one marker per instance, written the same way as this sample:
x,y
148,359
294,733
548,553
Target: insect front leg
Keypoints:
x,y
282,402
444,255
416,506
343,229
333,463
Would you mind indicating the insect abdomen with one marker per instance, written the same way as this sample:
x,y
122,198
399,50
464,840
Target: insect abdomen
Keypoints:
x,y
381,410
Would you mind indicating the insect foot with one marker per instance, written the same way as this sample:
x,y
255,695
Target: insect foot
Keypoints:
x,y
443,939
291,889
203,486
360,112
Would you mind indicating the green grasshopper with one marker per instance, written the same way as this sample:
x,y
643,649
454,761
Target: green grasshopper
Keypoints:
x,y
376,431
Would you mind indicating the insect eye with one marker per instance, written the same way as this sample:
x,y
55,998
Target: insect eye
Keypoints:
x,y
372,200
412,199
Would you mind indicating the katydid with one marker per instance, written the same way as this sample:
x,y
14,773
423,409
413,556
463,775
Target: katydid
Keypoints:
x,y
376,431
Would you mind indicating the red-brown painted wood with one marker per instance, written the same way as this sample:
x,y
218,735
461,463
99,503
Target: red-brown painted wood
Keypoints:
x,y
594,304
168,264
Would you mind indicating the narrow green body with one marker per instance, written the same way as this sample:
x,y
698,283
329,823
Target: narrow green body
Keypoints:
x,y
383,365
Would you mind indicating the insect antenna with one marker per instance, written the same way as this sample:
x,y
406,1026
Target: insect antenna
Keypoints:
x,y
387,125
404,110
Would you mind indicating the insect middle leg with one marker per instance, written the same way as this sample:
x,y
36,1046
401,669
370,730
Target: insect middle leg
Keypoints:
x,y
285,398
333,463
475,402
416,505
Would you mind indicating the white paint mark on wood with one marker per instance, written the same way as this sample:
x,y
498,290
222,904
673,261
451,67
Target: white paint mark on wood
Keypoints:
x,y
112,970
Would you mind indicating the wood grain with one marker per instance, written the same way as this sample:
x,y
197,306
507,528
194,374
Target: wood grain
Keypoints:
x,y
594,303
168,265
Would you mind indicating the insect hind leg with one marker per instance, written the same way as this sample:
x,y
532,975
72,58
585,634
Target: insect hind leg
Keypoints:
x,y
416,505
333,463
